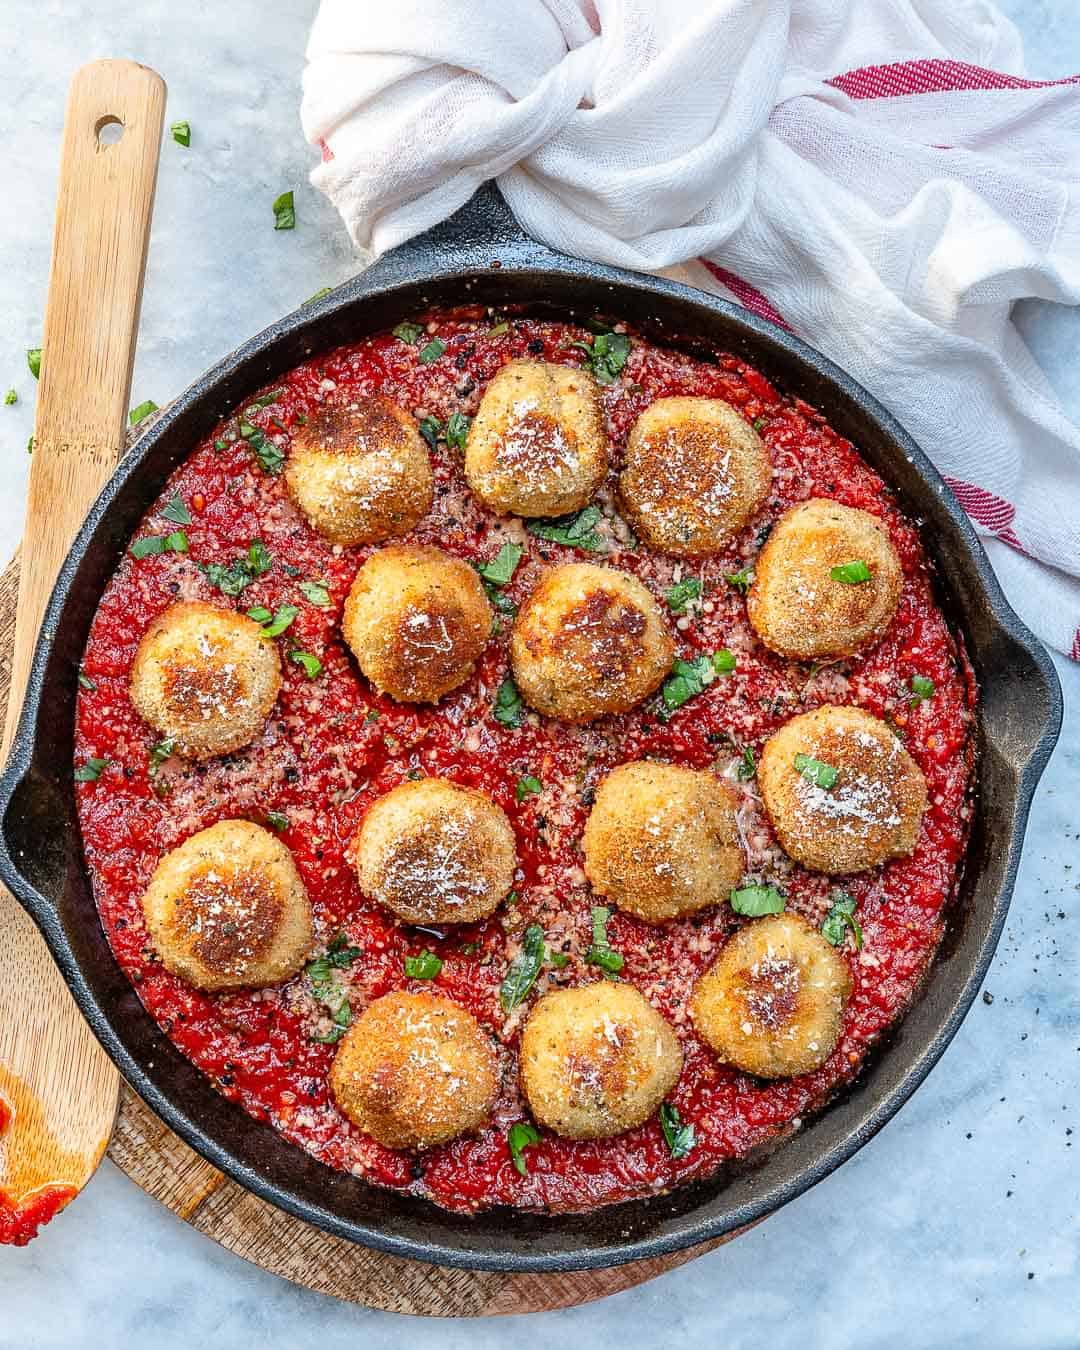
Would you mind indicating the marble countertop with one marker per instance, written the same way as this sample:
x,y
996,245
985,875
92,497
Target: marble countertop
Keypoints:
x,y
959,1225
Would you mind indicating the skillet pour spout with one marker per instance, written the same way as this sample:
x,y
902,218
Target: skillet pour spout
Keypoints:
x,y
480,257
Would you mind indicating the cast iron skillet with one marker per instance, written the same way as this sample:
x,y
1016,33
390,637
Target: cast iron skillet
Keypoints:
x,y
480,255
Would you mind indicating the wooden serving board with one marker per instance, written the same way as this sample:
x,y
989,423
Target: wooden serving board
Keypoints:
x,y
166,1168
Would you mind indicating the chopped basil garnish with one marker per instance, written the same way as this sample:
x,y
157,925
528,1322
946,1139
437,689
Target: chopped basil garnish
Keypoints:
x,y
328,991
822,775
270,456
273,625
325,290
277,820
342,1021
523,970
181,133
457,429
176,511
140,413
758,424
431,429
501,327
576,531
423,967
316,592
152,544
431,351
689,678
740,580
559,960
606,355
601,953
509,705
680,595
91,771
499,571
852,573
11,397
679,1138
33,360
922,688
840,918
267,400
87,682
724,661
747,765
407,332
232,579
521,1135
284,212
259,559
339,954
754,901
311,665
161,752
528,787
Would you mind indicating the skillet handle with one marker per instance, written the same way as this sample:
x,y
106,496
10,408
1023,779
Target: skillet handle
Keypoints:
x,y
483,224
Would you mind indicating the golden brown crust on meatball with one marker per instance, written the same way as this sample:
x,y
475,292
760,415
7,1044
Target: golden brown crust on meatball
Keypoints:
x,y
589,641
434,852
417,620
695,473
661,841
415,1070
597,1060
537,445
795,604
871,813
773,1000
227,909
205,678
360,472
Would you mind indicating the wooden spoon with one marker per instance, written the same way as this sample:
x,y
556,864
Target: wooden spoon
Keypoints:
x,y
58,1090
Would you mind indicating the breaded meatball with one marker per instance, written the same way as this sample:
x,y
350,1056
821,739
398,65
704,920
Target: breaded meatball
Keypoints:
x,y
661,841
537,445
227,909
417,620
589,641
360,472
796,605
597,1060
695,472
772,1001
433,852
841,791
415,1070
205,678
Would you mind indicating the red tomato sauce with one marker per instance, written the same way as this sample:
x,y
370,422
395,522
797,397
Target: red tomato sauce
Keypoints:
x,y
331,747
19,1222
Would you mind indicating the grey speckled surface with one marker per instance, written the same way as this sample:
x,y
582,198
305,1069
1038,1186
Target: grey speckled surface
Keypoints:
x,y
958,1226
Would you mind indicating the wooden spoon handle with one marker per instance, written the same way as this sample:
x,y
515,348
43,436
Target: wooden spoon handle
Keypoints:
x,y
58,1090
105,198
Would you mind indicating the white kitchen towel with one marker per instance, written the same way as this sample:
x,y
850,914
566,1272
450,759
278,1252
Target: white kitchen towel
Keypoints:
x,y
878,175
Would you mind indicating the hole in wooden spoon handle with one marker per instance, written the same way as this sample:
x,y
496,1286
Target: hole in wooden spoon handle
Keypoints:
x,y
108,129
